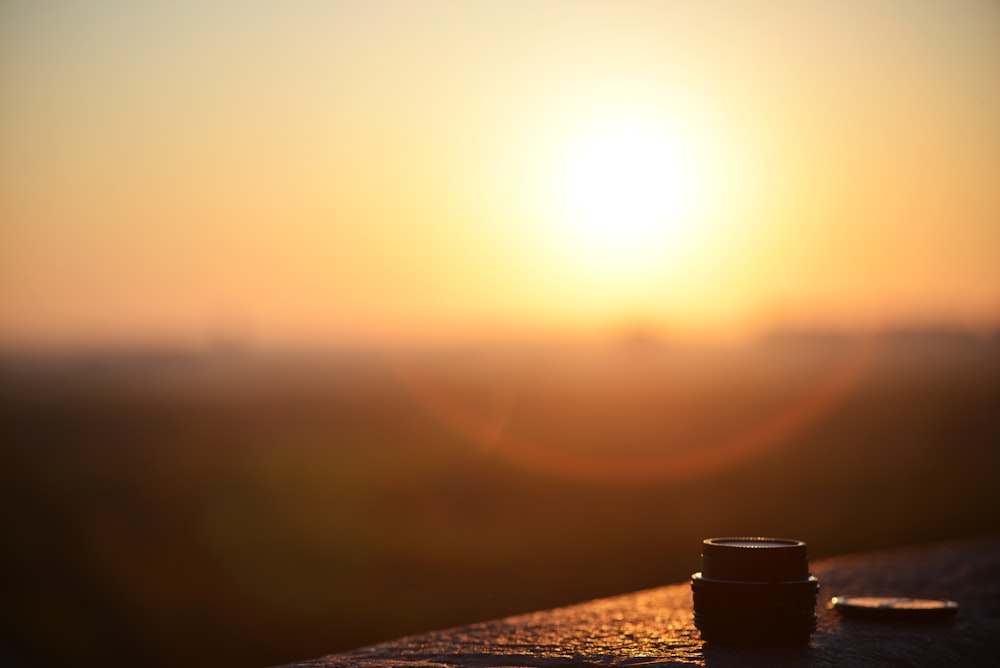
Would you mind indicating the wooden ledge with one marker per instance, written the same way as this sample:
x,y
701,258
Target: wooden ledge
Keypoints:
x,y
655,628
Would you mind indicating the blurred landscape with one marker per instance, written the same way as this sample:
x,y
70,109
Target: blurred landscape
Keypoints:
x,y
326,323
241,508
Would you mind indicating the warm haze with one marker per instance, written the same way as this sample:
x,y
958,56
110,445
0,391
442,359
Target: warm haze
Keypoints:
x,y
383,171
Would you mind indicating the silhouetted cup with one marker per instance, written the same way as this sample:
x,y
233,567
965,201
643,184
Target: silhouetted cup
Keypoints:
x,y
754,591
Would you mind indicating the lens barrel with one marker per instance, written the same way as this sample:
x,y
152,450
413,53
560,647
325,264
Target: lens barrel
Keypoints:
x,y
754,591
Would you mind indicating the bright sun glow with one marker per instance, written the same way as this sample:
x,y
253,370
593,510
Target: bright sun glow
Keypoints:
x,y
625,194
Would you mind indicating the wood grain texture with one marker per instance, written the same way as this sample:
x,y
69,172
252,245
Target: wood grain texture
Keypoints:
x,y
654,628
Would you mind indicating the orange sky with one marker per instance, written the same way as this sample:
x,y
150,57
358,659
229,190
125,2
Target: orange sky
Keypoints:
x,y
385,171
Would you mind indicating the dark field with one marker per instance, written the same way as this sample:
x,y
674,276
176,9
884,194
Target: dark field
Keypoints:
x,y
249,510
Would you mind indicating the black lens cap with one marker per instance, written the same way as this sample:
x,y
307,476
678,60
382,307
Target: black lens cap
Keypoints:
x,y
895,608
754,590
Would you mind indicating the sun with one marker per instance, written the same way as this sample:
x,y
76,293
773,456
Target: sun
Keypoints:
x,y
624,193
628,206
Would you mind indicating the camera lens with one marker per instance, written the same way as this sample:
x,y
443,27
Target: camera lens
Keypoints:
x,y
754,591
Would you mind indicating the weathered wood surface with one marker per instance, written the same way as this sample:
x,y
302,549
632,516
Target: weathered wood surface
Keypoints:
x,y
654,628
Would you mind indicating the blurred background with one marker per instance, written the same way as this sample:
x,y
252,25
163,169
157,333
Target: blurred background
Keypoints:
x,y
325,323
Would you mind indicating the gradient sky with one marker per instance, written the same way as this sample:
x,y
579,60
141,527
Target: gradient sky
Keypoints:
x,y
383,171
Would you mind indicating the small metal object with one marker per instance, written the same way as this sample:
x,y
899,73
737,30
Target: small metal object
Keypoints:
x,y
895,608
754,591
